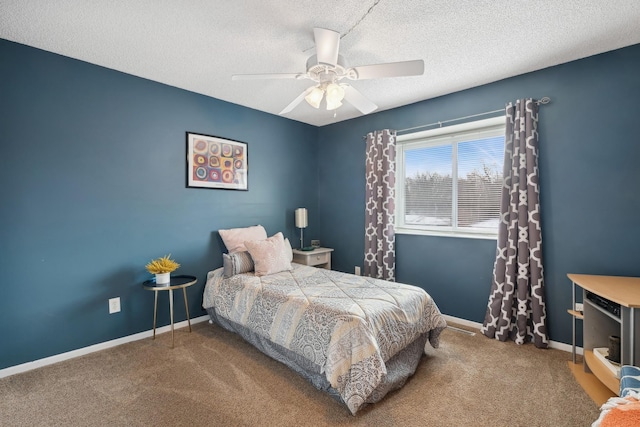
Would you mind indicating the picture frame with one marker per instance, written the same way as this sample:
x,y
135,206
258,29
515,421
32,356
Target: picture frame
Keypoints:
x,y
217,163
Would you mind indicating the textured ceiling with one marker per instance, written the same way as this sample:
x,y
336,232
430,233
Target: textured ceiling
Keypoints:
x,y
198,44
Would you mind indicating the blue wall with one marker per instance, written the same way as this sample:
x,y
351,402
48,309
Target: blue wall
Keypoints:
x,y
589,174
92,186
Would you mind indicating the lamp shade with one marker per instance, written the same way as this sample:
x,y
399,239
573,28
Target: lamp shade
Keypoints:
x,y
332,105
335,94
301,218
315,97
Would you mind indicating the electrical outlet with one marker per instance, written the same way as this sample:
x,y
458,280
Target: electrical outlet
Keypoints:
x,y
579,306
315,243
114,305
357,273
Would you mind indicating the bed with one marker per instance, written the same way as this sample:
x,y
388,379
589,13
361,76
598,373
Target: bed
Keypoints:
x,y
356,338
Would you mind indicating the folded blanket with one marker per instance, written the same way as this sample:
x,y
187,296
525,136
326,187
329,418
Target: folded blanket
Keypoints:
x,y
620,412
623,411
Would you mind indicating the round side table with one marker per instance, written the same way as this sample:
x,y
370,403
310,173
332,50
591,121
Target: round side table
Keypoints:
x,y
176,282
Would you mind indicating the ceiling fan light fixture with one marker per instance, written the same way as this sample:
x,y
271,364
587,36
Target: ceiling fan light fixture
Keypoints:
x,y
335,95
335,92
332,105
314,98
327,68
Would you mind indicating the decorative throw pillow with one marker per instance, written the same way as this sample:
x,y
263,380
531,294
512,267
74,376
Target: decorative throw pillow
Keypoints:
x,y
236,263
288,250
269,255
234,238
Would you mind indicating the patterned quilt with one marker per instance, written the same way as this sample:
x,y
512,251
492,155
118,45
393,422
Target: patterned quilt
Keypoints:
x,y
348,325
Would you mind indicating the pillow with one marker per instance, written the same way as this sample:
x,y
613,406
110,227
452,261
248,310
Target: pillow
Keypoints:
x,y
234,238
288,250
236,263
269,255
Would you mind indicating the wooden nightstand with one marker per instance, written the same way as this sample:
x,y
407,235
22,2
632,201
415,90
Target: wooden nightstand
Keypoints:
x,y
319,257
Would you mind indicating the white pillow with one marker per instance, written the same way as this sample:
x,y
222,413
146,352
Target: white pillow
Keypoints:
x,y
234,238
269,255
288,250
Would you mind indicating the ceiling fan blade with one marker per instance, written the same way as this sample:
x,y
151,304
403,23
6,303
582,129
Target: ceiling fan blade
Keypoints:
x,y
327,45
358,100
390,69
266,76
296,101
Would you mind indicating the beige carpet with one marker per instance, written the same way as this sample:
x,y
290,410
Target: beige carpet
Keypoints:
x,y
214,378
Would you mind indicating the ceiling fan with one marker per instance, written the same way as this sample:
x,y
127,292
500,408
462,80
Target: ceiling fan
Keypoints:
x,y
327,69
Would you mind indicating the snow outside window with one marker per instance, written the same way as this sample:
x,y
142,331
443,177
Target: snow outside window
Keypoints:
x,y
450,180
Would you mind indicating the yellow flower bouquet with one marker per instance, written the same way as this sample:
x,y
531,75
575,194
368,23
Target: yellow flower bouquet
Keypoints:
x,y
162,265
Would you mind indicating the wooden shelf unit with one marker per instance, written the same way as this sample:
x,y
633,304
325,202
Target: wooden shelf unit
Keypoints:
x,y
597,391
599,324
601,372
576,314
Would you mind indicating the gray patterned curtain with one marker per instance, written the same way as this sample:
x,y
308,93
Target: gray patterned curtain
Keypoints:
x,y
380,239
516,308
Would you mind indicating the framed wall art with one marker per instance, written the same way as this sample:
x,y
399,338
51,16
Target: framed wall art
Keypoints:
x,y
214,162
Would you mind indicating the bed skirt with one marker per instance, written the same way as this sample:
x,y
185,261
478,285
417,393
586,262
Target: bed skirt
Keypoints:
x,y
399,368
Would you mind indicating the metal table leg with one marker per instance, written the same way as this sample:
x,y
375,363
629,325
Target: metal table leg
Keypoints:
x,y
171,310
632,335
186,307
573,323
155,310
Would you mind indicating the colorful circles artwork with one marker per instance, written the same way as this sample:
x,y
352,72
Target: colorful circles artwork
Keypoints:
x,y
214,149
201,173
218,163
200,146
214,162
214,175
227,175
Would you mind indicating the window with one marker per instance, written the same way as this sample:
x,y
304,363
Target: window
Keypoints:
x,y
449,180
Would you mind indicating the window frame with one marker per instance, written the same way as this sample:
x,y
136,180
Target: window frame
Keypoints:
x,y
445,136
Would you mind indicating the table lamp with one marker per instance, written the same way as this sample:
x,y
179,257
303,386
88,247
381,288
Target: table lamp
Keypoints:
x,y
301,223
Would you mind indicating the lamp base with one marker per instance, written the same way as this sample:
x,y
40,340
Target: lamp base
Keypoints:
x,y
307,248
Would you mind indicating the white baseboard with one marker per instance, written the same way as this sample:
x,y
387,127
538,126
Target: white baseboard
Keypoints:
x,y
141,335
93,348
462,322
564,347
475,325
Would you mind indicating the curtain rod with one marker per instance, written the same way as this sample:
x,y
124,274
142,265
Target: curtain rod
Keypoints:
x,y
543,100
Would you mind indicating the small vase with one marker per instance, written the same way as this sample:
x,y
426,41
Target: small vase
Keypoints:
x,y
163,278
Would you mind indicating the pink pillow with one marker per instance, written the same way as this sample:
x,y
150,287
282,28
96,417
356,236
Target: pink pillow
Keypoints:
x,y
270,255
234,238
287,249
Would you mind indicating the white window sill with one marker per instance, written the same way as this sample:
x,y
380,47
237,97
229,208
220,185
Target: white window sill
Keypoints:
x,y
463,235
